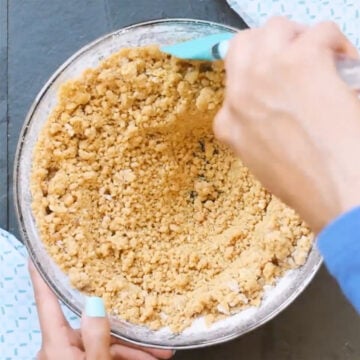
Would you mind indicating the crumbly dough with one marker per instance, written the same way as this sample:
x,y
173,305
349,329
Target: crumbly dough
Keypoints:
x,y
138,203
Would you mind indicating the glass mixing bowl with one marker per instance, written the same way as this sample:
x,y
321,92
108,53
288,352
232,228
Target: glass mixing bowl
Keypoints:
x,y
161,32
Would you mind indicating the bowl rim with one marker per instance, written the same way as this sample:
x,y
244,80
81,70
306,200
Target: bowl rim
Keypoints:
x,y
25,236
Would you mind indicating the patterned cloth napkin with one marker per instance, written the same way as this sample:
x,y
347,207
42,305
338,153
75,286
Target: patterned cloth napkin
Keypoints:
x,y
20,337
346,13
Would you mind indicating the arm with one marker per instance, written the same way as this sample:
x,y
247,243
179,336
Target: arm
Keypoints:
x,y
296,125
339,243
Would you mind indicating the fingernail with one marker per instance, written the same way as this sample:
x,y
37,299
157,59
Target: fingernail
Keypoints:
x,y
94,307
173,352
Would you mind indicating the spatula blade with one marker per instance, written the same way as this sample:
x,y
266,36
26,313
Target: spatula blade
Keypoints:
x,y
197,49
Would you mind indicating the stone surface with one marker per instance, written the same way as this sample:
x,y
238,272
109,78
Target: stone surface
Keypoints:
x,y
36,36
42,35
3,114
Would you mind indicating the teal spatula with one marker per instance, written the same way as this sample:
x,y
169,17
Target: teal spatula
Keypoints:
x,y
214,47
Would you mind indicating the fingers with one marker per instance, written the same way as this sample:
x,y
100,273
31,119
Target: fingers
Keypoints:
x,y
241,49
123,352
227,130
222,127
157,353
54,326
271,38
253,51
278,32
95,330
327,35
160,354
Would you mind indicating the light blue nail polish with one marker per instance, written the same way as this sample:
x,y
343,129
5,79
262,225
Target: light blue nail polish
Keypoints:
x,y
94,307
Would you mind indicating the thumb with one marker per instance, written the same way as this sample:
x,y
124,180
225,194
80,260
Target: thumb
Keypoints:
x,y
227,128
95,330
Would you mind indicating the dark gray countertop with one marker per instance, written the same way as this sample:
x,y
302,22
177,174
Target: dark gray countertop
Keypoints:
x,y
36,36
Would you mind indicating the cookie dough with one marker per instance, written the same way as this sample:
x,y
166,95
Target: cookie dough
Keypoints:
x,y
138,203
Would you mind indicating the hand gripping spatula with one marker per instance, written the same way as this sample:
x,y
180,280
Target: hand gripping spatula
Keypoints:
x,y
214,47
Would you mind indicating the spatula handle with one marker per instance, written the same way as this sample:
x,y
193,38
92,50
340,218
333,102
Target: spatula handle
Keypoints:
x,y
349,70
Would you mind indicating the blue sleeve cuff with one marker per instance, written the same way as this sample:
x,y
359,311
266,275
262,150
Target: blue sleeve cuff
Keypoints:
x,y
339,243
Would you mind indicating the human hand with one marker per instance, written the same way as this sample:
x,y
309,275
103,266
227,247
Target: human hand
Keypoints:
x,y
290,117
91,342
